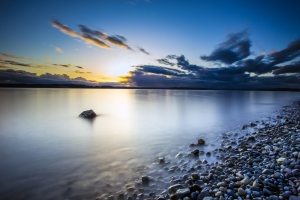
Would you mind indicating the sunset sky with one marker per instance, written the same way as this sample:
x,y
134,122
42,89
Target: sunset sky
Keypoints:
x,y
156,43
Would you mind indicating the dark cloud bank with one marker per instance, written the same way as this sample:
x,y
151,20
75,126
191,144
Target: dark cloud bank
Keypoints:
x,y
235,71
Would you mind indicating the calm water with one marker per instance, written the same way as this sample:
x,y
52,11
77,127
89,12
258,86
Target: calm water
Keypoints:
x,y
45,147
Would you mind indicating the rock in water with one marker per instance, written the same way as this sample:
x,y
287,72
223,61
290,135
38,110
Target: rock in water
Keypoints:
x,y
161,160
88,114
145,180
201,142
195,152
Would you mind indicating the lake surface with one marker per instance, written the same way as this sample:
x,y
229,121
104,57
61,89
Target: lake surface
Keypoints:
x,y
46,149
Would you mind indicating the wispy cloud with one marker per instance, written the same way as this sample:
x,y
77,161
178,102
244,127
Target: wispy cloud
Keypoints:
x,y
59,50
86,38
13,56
47,59
19,64
10,62
143,50
63,65
79,72
292,68
4,67
115,39
96,37
79,67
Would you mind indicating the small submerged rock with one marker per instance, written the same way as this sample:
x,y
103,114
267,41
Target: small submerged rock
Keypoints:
x,y
88,114
161,160
195,152
201,142
145,180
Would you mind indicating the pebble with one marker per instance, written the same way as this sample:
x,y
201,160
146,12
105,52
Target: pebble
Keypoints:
x,y
241,192
220,184
218,194
182,193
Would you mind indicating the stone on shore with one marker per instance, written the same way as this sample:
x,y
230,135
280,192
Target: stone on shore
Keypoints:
x,y
173,188
182,193
88,114
241,192
203,194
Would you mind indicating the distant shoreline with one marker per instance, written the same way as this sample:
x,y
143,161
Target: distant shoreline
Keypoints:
x,y
119,87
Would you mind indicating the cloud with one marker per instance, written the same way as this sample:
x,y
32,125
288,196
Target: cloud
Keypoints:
x,y
289,53
59,50
79,67
47,59
95,37
236,75
86,38
79,72
4,67
63,65
293,68
9,62
23,77
237,47
158,70
14,63
143,50
115,39
12,56
165,62
64,29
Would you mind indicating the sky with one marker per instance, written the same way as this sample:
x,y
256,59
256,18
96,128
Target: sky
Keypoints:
x,y
151,43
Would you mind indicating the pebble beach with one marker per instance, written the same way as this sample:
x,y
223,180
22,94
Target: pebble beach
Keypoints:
x,y
262,161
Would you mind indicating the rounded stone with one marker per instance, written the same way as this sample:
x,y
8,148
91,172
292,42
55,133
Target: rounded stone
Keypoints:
x,y
241,192
201,141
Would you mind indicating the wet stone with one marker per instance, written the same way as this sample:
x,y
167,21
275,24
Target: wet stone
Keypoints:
x,y
195,176
221,184
267,192
201,141
145,180
182,193
256,193
111,197
241,192
161,160
195,188
203,194
218,194
294,197
267,171
173,188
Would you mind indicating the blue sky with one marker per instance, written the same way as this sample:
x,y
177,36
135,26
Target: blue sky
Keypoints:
x,y
138,34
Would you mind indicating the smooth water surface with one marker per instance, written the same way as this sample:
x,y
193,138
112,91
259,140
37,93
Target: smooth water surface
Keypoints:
x,y
45,147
